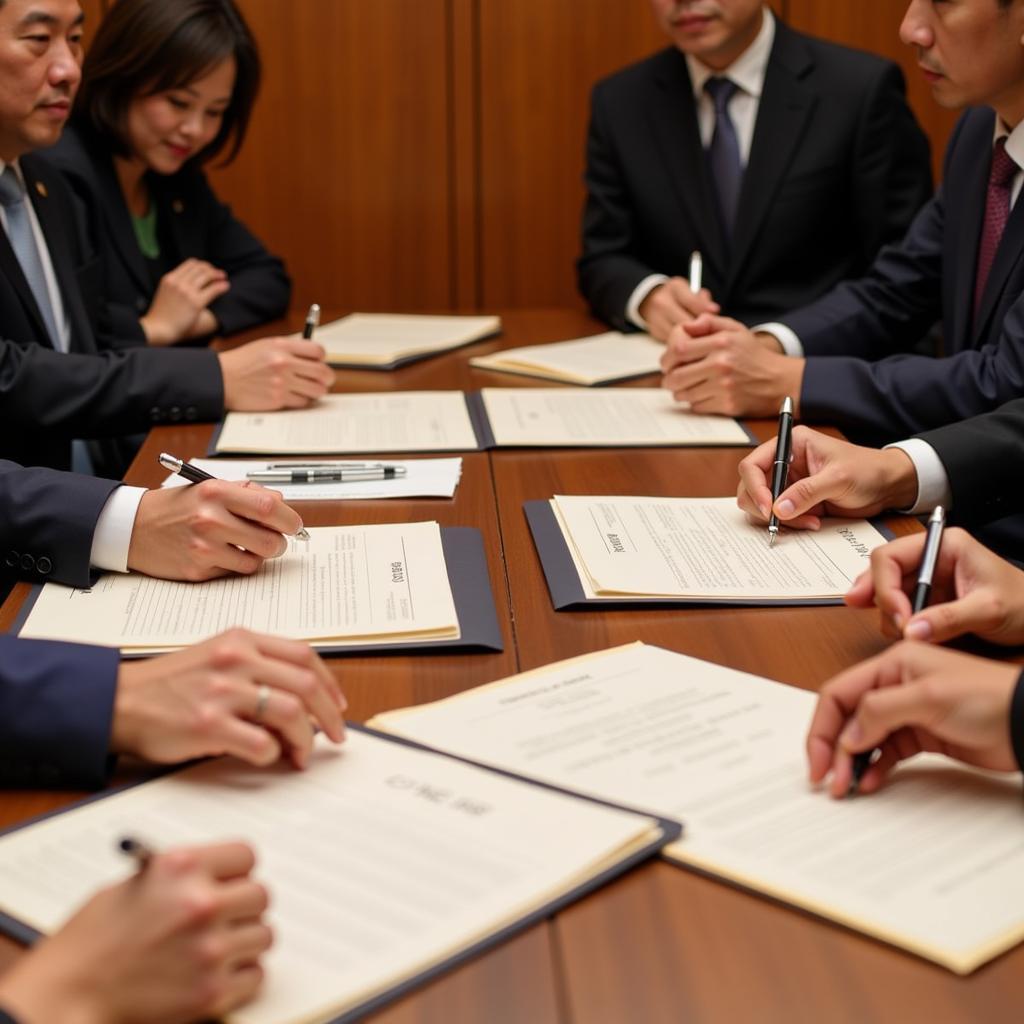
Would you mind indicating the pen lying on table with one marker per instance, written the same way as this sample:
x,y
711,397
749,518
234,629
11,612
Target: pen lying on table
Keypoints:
x,y
323,475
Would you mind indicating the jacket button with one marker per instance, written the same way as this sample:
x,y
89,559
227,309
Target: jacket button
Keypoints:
x,y
12,559
141,305
28,563
175,414
44,566
156,414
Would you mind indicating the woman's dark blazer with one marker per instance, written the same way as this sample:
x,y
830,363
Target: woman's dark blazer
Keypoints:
x,y
193,223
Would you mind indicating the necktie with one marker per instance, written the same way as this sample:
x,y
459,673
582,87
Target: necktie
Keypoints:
x,y
724,152
997,212
23,242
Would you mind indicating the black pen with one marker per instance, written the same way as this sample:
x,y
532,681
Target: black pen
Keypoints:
x,y
312,322
925,575
137,850
780,469
195,475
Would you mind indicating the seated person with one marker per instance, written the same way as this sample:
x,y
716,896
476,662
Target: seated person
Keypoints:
x,y
181,941
959,260
911,699
165,89
812,164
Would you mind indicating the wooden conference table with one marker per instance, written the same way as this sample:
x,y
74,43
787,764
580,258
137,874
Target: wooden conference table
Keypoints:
x,y
661,944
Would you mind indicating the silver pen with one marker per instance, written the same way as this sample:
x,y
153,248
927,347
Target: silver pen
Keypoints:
x,y
324,476
696,271
930,558
312,322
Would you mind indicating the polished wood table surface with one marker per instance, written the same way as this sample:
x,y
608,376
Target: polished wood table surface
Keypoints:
x,y
661,944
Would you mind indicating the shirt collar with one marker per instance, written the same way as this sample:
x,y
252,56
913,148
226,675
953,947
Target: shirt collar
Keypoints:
x,y
748,70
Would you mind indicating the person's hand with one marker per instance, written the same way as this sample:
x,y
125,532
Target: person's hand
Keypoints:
x,y
973,591
209,529
254,697
179,942
275,373
913,698
827,477
671,303
181,297
717,365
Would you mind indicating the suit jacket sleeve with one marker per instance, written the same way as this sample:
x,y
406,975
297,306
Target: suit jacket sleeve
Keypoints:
x,y
56,709
260,286
51,517
106,394
608,272
984,461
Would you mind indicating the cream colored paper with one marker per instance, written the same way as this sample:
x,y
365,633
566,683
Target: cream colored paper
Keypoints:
x,y
933,863
400,421
382,860
704,548
595,360
346,585
566,417
379,339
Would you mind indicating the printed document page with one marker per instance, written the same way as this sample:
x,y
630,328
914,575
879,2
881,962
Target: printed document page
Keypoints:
x,y
379,339
704,548
345,585
399,421
594,360
423,478
623,417
382,860
933,862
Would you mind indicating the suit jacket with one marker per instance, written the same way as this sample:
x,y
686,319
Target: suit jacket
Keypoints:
x,y
192,223
930,272
56,708
838,166
47,397
47,522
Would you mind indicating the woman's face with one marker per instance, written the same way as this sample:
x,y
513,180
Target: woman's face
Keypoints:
x,y
168,128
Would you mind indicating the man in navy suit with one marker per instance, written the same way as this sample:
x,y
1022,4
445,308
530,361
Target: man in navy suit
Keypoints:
x,y
818,157
962,259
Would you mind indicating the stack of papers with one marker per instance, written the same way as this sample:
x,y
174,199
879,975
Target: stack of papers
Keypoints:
x,y
931,863
600,359
383,340
704,549
424,478
344,587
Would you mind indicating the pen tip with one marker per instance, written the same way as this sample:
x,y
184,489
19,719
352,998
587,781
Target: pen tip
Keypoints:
x,y
772,534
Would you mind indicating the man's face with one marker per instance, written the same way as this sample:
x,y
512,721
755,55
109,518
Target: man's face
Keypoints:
x,y
971,52
716,32
40,68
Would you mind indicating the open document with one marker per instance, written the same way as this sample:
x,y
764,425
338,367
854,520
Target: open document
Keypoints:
x,y
622,417
600,359
704,549
385,340
932,863
391,421
419,478
345,586
383,862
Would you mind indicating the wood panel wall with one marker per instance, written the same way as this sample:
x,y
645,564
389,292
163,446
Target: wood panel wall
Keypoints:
x,y
427,154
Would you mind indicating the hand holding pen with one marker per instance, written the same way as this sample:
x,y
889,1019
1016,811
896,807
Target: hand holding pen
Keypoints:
x,y
211,529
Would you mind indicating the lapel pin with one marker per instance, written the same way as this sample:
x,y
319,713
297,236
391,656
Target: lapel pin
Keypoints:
x,y
178,206
41,189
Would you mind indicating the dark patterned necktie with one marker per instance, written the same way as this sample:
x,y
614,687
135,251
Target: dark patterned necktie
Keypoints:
x,y
997,213
724,152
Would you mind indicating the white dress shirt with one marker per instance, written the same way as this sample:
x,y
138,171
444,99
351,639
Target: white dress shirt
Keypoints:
x,y
113,533
748,72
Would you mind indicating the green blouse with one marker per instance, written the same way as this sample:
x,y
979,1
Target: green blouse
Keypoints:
x,y
145,233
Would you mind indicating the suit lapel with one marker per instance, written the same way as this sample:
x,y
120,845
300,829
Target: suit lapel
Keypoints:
x,y
1008,255
119,221
786,105
674,120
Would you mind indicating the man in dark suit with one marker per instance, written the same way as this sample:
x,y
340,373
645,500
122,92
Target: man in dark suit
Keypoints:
x,y
828,165
962,258
47,281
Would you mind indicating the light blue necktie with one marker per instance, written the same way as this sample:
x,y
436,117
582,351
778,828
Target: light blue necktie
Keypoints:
x,y
23,242
724,159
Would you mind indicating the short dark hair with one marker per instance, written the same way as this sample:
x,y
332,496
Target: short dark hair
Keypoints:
x,y
143,47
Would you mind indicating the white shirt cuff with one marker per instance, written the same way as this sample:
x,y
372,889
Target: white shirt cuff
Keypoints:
x,y
114,527
932,482
640,292
784,335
